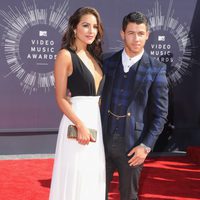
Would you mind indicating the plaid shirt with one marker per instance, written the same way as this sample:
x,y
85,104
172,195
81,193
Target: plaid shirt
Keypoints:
x,y
121,98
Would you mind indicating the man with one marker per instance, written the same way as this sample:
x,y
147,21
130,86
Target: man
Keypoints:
x,y
134,105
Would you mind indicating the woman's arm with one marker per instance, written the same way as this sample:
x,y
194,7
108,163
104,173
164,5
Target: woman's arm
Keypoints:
x,y
62,70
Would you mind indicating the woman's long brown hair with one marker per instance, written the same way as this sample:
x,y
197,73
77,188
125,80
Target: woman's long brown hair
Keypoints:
x,y
68,40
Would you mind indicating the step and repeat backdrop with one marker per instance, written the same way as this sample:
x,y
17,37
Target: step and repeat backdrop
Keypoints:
x,y
31,32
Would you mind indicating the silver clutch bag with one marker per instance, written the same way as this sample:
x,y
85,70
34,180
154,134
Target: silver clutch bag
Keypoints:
x,y
73,133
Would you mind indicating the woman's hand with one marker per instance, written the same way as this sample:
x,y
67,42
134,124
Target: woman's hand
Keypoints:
x,y
84,136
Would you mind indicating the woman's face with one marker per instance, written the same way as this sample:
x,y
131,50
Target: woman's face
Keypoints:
x,y
87,29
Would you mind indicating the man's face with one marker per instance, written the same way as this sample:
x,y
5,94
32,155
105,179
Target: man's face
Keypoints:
x,y
134,38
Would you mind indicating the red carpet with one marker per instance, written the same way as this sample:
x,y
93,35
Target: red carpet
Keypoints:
x,y
194,154
175,178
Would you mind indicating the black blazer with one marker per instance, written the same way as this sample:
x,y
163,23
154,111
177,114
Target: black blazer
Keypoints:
x,y
147,112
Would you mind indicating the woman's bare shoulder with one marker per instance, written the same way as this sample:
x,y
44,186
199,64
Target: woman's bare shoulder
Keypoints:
x,y
64,61
64,53
63,56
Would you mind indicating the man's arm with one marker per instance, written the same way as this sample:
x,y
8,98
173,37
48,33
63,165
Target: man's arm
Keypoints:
x,y
159,111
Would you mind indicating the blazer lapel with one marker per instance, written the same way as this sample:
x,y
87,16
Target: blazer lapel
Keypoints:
x,y
114,65
141,73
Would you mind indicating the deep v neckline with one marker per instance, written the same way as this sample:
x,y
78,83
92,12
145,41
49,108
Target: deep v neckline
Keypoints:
x,y
93,79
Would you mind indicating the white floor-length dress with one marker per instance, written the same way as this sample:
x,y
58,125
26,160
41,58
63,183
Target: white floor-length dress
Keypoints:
x,y
79,170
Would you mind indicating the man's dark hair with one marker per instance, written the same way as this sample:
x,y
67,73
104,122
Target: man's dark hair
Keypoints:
x,y
135,17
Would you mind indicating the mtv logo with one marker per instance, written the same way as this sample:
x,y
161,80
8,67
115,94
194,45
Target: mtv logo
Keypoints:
x,y
161,38
43,33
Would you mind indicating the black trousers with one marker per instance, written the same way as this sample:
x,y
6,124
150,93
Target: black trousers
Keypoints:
x,y
116,159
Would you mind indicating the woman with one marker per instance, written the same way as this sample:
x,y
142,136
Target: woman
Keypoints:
x,y
79,165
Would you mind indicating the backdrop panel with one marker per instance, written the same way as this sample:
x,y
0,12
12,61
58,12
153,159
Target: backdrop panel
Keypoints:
x,y
31,33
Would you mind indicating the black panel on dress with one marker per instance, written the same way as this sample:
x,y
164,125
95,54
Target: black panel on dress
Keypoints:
x,y
81,82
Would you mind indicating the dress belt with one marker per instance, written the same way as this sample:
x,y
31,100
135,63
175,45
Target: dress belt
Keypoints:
x,y
118,116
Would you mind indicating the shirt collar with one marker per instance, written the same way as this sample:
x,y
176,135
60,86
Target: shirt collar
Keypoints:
x,y
130,61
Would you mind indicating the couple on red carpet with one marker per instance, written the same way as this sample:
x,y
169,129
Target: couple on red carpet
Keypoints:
x,y
132,91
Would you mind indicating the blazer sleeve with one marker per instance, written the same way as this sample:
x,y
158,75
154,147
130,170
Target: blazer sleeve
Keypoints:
x,y
158,107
